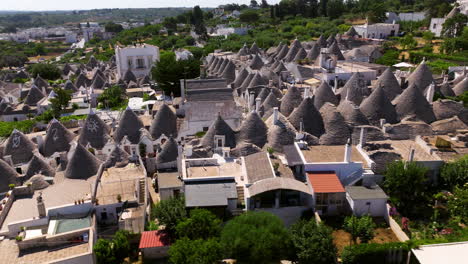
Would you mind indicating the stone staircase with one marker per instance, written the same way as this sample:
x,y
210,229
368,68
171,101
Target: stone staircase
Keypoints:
x,y
141,191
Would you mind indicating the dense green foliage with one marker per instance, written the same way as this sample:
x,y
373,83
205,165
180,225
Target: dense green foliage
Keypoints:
x,y
457,203
60,101
406,182
313,243
202,224
13,54
168,72
45,70
360,227
112,251
112,97
198,251
455,173
371,253
255,237
169,213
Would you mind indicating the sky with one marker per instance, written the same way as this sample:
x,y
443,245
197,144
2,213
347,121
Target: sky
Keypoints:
x,y
43,5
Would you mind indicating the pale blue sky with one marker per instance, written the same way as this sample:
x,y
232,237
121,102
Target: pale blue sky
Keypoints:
x,y
41,5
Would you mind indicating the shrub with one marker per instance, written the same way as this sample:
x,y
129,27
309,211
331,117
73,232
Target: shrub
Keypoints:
x,y
370,253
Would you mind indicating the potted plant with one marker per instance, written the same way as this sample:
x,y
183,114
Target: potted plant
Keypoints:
x,y
271,151
11,186
22,228
19,238
119,198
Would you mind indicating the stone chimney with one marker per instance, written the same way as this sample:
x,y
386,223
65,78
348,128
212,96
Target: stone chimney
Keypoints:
x,y
40,206
275,115
363,137
257,104
430,92
347,154
251,101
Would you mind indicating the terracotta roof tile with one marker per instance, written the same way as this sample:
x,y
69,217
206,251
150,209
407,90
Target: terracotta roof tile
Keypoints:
x,y
325,182
156,238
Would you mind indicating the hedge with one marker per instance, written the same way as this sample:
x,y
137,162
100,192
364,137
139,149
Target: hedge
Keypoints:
x,y
417,56
372,253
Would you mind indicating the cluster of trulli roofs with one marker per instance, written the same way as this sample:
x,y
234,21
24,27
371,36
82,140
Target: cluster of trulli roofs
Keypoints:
x,y
86,81
308,126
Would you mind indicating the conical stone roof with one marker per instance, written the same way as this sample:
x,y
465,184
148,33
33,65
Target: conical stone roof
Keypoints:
x,y
81,81
244,51
66,69
280,68
57,139
461,87
291,100
8,176
38,165
221,66
336,129
253,130
70,86
334,49
421,77
378,106
446,90
412,103
282,53
291,53
309,116
98,83
352,114
267,106
41,83
34,96
129,126
351,32
241,76
118,158
95,132
229,72
82,164
164,122
280,133
389,83
300,55
92,62
214,63
313,53
256,63
20,147
129,76
219,128
324,94
169,152
254,49
355,89
321,42
263,94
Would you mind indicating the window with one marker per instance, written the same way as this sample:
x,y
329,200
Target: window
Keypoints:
x,y
140,63
130,63
205,129
434,25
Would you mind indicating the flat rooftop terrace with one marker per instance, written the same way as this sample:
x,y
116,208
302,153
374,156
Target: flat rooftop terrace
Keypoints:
x,y
9,252
403,147
64,191
325,153
115,181
222,170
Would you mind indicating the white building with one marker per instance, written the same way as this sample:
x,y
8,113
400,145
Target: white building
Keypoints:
x,y
436,26
139,59
378,30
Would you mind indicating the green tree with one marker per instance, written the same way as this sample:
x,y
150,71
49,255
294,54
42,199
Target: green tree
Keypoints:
x,y
249,16
104,252
202,224
255,237
457,204
60,101
121,245
169,213
428,37
408,42
113,27
168,72
360,227
453,27
406,182
195,251
112,97
455,173
313,243
46,71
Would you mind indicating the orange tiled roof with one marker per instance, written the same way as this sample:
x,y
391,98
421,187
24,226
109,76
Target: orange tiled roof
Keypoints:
x,y
325,182
151,239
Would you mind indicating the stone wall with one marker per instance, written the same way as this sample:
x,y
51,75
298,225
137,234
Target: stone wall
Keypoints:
x,y
395,226
6,207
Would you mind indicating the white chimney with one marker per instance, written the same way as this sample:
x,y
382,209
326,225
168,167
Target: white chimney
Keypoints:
x,y
347,154
306,93
40,206
336,84
251,101
382,122
275,115
430,92
257,104
363,136
411,155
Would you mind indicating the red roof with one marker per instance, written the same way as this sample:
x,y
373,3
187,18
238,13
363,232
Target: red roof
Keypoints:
x,y
325,182
156,238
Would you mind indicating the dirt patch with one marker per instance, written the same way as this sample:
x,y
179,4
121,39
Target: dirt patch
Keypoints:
x,y
342,239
